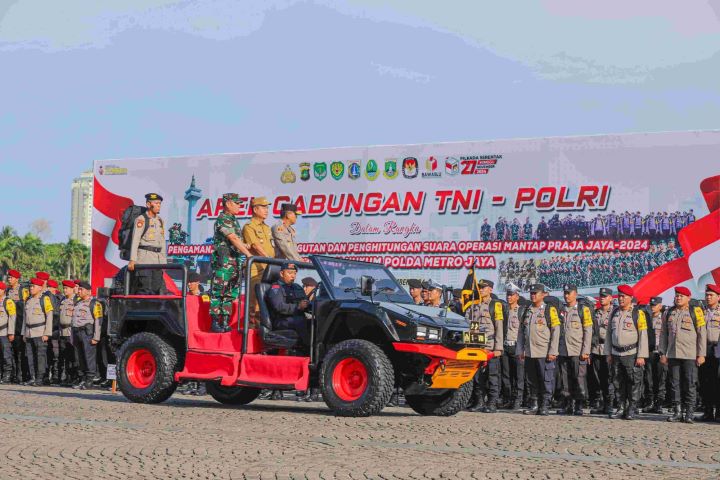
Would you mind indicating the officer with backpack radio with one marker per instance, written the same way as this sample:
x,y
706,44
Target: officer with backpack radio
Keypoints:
x,y
142,241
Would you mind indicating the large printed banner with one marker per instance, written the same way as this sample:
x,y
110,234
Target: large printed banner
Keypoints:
x,y
594,211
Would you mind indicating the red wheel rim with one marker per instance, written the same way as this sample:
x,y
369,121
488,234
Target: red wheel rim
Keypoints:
x,y
141,368
349,379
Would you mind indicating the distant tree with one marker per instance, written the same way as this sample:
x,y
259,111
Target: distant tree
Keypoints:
x,y
41,228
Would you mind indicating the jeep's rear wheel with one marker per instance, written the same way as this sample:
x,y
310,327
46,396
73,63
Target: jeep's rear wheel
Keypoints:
x,y
442,405
232,395
357,379
146,368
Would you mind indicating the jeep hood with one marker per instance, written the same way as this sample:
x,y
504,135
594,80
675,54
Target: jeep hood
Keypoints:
x,y
424,315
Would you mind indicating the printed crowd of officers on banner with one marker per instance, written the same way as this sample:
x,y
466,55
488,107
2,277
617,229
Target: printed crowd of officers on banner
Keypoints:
x,y
660,225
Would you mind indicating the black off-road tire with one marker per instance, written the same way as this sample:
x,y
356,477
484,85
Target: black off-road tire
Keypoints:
x,y
234,395
166,360
443,405
380,378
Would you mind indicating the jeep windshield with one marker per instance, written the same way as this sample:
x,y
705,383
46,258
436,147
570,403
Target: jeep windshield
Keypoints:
x,y
342,278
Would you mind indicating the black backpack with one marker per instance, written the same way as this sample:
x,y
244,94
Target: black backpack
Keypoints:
x,y
127,223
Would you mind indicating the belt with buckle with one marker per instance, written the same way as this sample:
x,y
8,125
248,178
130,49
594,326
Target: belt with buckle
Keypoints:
x,y
510,344
624,349
150,249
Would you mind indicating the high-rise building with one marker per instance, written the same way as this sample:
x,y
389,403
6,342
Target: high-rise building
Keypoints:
x,y
81,208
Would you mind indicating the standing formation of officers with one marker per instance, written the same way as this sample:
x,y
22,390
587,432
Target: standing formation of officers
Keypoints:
x,y
615,357
48,337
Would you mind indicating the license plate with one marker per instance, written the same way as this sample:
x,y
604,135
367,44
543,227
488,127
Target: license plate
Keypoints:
x,y
473,337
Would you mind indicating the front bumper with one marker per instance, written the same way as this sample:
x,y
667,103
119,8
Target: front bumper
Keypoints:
x,y
447,368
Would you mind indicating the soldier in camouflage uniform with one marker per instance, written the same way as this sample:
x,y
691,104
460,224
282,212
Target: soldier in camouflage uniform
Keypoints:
x,y
228,255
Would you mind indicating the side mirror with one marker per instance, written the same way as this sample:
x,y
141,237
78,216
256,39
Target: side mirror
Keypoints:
x,y
366,284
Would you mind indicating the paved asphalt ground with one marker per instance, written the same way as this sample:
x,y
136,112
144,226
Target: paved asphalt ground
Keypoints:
x,y
61,433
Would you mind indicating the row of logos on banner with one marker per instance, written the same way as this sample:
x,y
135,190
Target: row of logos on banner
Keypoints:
x,y
409,167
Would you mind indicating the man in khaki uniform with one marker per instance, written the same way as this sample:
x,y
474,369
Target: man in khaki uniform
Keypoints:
x,y
148,247
8,314
603,391
709,381
538,345
67,351
86,328
682,346
655,371
18,294
283,233
575,341
626,348
487,317
512,369
37,329
258,235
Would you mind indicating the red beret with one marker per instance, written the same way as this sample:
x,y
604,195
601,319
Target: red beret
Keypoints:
x,y
77,282
37,281
69,283
3,286
712,288
683,291
52,283
625,290
14,274
42,276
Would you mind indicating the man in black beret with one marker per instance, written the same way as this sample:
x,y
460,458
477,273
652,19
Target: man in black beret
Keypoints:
x,y
283,233
415,287
655,372
148,247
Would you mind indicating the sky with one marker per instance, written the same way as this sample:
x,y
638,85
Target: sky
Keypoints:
x,y
86,80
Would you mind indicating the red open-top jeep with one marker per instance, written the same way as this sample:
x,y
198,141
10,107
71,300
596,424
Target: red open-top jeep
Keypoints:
x,y
367,337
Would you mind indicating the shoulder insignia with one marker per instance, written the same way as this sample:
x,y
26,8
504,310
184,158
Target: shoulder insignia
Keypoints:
x,y
554,319
699,317
47,304
642,321
98,310
280,228
11,310
25,295
498,312
205,297
587,318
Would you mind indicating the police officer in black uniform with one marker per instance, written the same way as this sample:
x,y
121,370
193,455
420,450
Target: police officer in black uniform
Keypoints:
x,y
287,303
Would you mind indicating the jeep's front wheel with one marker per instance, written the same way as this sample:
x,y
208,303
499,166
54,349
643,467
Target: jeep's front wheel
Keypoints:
x,y
232,395
444,405
146,368
357,379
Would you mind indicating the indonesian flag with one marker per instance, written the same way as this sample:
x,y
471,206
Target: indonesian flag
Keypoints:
x,y
700,242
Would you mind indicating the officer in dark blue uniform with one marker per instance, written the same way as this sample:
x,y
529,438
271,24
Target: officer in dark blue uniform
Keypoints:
x,y
287,302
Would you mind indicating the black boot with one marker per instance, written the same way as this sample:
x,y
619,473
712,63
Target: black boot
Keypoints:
x,y
568,408
6,376
650,407
478,403
216,326
617,413
491,407
543,408
532,407
578,412
631,412
30,382
689,416
708,415
598,408
80,384
658,406
676,416
276,395
315,395
517,405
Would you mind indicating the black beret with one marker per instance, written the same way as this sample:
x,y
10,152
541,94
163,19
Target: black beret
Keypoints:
x,y
152,196
606,292
569,287
414,283
309,282
486,283
288,207
84,284
193,277
537,287
290,266
655,301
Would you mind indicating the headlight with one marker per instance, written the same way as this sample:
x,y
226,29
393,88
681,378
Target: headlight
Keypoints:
x,y
428,333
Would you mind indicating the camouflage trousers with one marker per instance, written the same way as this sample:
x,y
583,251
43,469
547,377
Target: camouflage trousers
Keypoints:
x,y
224,288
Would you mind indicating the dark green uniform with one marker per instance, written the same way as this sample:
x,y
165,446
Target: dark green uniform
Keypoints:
x,y
226,264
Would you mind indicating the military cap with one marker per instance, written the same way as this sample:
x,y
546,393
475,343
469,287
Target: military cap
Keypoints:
x,y
485,283
683,291
414,283
259,201
193,277
309,282
433,285
424,285
512,289
52,284
84,284
290,266
712,288
37,281
231,197
42,276
625,290
537,287
569,287
69,283
288,207
14,274
655,301
149,197
2,285
606,292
